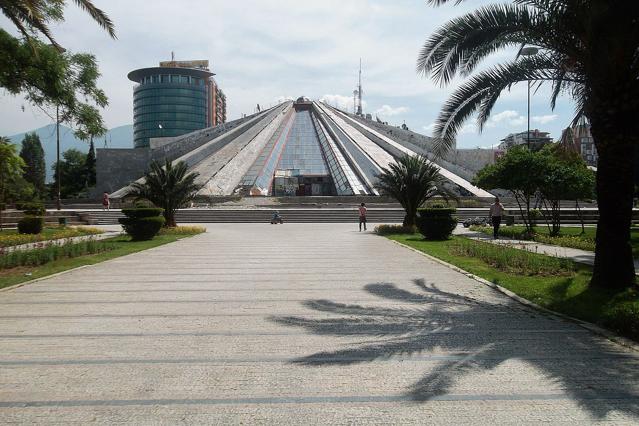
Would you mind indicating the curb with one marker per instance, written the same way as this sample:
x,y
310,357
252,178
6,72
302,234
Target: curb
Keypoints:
x,y
623,341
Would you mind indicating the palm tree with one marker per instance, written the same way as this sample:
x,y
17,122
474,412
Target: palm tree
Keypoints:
x,y
588,49
168,187
31,16
412,180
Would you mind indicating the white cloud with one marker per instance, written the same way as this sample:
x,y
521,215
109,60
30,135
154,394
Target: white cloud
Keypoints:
x,y
429,128
467,129
508,117
342,102
389,111
281,99
543,119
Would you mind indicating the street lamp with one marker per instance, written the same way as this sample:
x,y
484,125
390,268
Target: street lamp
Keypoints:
x,y
528,51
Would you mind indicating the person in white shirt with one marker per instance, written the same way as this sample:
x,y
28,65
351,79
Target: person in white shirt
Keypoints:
x,y
496,212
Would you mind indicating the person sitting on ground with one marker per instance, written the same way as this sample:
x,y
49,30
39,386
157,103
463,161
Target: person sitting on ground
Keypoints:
x,y
276,218
496,212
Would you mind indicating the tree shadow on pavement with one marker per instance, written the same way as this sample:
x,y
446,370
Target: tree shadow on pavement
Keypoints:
x,y
479,335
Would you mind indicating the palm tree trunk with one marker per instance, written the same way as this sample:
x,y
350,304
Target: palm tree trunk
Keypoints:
x,y
614,265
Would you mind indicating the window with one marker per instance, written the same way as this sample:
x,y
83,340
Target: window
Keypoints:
x,y
165,79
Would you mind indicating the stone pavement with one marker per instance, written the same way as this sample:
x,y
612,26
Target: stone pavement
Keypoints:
x,y
297,324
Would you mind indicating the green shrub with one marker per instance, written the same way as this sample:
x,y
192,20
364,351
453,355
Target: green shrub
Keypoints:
x,y
30,225
436,223
395,229
142,228
33,209
51,252
512,260
141,212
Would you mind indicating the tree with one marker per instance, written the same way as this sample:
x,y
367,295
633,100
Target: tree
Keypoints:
x,y
33,17
412,180
73,174
35,168
49,77
13,187
587,49
89,166
565,178
168,187
519,171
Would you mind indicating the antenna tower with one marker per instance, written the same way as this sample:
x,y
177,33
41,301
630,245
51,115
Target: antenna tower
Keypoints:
x,y
359,89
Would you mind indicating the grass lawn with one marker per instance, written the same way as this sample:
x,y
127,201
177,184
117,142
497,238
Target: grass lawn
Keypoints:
x,y
568,294
11,237
121,246
571,236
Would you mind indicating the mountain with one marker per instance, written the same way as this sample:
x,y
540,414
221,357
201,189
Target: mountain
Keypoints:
x,y
118,137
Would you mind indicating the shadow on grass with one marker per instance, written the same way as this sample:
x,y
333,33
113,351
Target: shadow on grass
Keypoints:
x,y
480,335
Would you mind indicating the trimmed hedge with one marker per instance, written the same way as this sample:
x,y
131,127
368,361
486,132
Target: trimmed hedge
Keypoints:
x,y
32,209
436,223
30,225
141,212
143,223
395,229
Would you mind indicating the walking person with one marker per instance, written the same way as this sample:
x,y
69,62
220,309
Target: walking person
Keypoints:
x,y
497,210
106,203
362,216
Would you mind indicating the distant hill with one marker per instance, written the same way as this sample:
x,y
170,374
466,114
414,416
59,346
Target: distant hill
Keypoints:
x,y
118,137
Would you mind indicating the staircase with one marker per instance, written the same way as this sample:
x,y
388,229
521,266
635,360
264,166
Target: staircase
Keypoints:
x,y
10,218
322,215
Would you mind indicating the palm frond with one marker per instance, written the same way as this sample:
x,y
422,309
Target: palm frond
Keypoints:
x,y
481,92
98,16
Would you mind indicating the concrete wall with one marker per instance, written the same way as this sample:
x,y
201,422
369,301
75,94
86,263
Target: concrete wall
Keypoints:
x,y
116,168
472,159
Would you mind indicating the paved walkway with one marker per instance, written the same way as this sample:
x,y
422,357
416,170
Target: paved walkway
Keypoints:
x,y
296,324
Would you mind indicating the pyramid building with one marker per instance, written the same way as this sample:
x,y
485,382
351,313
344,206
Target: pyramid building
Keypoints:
x,y
300,148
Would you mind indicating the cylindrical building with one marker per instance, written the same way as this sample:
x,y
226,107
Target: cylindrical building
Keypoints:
x,y
169,102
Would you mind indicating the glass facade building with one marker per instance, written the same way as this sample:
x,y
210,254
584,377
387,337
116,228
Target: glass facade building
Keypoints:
x,y
169,102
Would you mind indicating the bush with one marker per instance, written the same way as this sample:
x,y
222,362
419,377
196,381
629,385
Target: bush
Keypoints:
x,y
32,209
140,212
436,223
183,230
512,260
143,228
51,252
395,229
30,225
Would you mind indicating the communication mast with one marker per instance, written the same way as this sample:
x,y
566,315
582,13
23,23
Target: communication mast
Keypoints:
x,y
359,90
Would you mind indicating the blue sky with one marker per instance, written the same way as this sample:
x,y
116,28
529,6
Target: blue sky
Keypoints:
x,y
263,51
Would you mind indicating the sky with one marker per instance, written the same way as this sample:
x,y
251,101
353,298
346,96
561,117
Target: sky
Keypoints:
x,y
265,51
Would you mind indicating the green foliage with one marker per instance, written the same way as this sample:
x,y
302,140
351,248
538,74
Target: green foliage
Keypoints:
x,y
52,252
73,174
32,17
32,154
51,79
412,180
89,166
436,223
142,224
144,228
572,37
140,212
11,238
33,209
12,185
168,187
395,229
512,260
30,225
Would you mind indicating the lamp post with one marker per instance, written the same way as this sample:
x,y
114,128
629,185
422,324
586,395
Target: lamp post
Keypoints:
x,y
57,164
528,51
